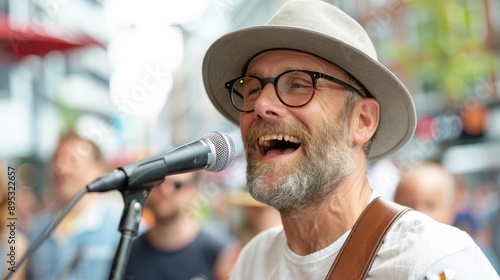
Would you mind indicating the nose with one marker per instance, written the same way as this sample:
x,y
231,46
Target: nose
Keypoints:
x,y
268,104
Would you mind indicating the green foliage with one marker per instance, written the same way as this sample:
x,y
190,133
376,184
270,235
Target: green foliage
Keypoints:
x,y
450,52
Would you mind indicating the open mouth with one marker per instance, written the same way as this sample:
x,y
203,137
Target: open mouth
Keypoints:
x,y
278,144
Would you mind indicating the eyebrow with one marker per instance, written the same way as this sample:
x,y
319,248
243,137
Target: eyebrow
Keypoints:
x,y
259,73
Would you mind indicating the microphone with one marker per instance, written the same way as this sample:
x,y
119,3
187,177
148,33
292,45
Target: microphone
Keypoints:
x,y
214,152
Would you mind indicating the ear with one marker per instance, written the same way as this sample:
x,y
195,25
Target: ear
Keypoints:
x,y
365,120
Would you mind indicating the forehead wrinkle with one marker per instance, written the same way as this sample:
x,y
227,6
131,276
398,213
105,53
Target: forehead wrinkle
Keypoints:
x,y
260,73
313,63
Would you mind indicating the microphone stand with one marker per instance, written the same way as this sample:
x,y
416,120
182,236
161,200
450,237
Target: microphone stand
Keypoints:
x,y
129,227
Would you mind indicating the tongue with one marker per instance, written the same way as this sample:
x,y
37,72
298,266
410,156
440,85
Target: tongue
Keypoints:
x,y
277,152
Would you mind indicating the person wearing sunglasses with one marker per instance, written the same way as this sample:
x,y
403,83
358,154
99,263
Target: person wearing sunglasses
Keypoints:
x,y
175,246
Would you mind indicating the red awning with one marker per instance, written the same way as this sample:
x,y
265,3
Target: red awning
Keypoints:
x,y
35,40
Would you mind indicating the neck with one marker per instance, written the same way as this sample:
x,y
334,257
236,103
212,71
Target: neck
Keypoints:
x,y
71,223
84,202
316,227
173,234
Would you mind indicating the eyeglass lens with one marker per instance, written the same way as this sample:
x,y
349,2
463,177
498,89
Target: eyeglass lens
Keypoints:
x,y
294,88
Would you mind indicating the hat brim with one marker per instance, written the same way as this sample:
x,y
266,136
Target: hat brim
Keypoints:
x,y
227,57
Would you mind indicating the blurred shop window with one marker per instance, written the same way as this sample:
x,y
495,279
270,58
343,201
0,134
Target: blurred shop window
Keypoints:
x,y
474,119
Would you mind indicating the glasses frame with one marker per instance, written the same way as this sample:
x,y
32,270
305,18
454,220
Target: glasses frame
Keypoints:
x,y
314,77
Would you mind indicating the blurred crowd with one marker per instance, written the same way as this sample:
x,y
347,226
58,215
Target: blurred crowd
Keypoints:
x,y
194,224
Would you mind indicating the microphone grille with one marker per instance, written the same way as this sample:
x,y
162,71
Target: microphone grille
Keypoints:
x,y
225,150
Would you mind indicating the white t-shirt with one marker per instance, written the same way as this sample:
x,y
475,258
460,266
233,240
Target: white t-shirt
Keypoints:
x,y
415,245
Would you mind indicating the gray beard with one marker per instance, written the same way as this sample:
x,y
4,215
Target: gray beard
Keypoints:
x,y
326,163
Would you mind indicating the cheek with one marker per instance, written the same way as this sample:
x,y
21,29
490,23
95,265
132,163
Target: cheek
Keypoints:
x,y
324,106
245,122
90,174
312,120
329,100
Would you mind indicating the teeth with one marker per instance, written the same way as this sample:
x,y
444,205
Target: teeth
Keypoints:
x,y
264,138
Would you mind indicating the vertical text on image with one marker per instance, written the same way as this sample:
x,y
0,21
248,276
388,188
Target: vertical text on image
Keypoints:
x,y
11,218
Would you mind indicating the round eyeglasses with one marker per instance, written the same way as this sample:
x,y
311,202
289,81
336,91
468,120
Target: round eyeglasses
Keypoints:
x,y
294,88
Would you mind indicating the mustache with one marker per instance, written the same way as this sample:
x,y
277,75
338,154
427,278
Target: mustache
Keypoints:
x,y
261,127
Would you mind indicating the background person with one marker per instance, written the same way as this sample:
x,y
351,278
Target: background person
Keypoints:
x,y
254,217
176,247
248,218
430,189
84,244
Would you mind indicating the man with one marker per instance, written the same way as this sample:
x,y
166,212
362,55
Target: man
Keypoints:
x,y
428,188
175,247
314,106
84,244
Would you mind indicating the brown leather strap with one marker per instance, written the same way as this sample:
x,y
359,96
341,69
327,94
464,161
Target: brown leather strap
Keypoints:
x,y
359,250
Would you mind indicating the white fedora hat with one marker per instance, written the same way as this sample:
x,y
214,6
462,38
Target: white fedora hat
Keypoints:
x,y
318,28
